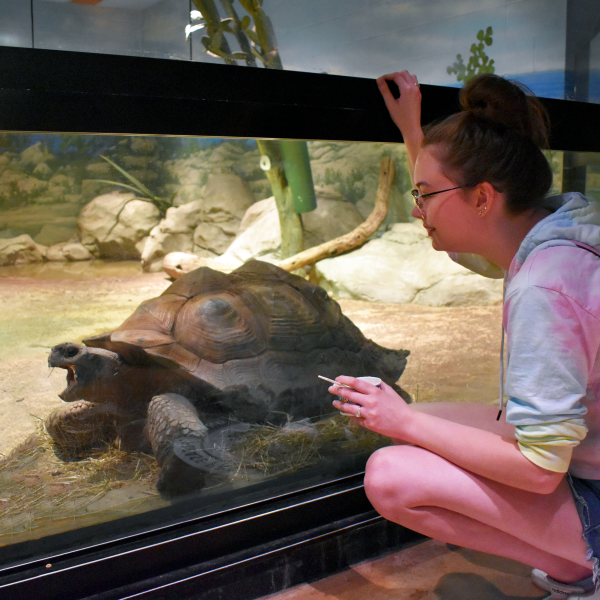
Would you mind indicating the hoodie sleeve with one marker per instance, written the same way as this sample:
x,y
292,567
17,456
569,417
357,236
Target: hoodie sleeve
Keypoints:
x,y
552,345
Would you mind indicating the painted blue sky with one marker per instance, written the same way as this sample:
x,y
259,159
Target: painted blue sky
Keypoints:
x,y
367,38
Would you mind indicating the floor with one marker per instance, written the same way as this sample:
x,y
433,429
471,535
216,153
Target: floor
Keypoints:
x,y
426,571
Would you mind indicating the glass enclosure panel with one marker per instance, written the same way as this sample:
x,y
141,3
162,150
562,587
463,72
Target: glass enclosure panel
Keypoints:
x,y
550,45
212,389
153,28
15,25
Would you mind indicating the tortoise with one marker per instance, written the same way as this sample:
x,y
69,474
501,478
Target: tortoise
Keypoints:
x,y
214,352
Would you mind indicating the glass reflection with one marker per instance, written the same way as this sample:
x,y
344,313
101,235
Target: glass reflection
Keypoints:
x,y
551,49
126,389
210,387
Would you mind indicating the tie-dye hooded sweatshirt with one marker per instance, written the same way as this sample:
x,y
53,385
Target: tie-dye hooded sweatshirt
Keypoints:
x,y
552,322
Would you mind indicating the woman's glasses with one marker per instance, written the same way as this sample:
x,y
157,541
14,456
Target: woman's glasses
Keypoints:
x,y
418,198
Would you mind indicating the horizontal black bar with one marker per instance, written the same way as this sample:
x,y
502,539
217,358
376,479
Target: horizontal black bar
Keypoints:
x,y
152,554
57,91
259,571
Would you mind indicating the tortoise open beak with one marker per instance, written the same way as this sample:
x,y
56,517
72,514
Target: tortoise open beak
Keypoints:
x,y
63,357
89,370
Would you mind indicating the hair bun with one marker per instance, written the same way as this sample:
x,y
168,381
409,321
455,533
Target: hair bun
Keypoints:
x,y
508,104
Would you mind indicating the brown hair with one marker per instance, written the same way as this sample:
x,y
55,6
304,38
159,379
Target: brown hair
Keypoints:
x,y
497,138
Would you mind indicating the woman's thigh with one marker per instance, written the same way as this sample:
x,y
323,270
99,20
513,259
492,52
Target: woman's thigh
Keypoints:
x,y
406,480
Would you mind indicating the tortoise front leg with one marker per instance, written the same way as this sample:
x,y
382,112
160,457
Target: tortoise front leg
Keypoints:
x,y
81,427
172,419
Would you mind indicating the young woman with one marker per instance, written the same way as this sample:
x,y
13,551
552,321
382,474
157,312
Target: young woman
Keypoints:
x,y
527,486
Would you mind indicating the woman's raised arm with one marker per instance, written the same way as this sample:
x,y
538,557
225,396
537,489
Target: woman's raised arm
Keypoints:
x,y
405,111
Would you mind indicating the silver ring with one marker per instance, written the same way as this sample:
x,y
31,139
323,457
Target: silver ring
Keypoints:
x,y
358,412
417,84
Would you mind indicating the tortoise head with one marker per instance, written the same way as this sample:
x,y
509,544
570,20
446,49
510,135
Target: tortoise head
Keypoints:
x,y
91,372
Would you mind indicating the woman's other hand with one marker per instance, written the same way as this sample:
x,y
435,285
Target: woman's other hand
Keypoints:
x,y
381,409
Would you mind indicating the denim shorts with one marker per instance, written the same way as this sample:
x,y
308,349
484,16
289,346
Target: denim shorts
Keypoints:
x,y
586,493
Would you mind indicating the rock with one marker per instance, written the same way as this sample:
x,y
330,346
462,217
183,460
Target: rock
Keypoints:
x,y
205,227
101,170
72,251
176,264
260,234
173,234
464,289
42,170
401,267
212,238
34,155
54,234
30,186
226,195
20,250
111,225
142,145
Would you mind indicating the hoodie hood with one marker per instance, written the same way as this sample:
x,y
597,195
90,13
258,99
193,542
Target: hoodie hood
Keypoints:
x,y
574,219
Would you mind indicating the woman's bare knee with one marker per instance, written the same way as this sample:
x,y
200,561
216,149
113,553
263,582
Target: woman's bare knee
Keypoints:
x,y
392,479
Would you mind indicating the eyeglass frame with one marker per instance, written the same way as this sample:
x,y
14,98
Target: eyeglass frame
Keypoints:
x,y
417,197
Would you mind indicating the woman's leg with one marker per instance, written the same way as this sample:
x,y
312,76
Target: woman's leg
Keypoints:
x,y
424,492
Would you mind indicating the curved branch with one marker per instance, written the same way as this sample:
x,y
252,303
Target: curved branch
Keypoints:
x,y
357,237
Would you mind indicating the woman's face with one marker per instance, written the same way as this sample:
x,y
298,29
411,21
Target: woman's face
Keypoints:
x,y
447,216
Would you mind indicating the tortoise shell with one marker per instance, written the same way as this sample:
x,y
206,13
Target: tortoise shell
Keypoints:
x,y
257,328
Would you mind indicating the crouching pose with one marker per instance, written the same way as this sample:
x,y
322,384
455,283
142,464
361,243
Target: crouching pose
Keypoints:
x,y
526,486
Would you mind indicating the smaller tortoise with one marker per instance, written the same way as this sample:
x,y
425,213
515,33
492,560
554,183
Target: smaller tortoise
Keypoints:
x,y
212,350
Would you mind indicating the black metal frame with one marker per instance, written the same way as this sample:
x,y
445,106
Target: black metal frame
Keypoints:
x,y
274,540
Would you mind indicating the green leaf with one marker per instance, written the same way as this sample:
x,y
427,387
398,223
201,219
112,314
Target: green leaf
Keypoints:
x,y
252,36
480,34
258,55
140,186
246,22
227,25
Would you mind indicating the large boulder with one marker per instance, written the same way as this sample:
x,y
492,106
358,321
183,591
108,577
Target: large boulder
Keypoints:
x,y
206,226
20,250
402,267
115,226
260,235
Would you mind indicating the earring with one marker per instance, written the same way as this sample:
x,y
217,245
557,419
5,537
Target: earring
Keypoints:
x,y
482,211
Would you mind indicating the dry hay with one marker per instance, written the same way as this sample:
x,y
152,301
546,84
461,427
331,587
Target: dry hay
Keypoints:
x,y
278,450
37,487
42,494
